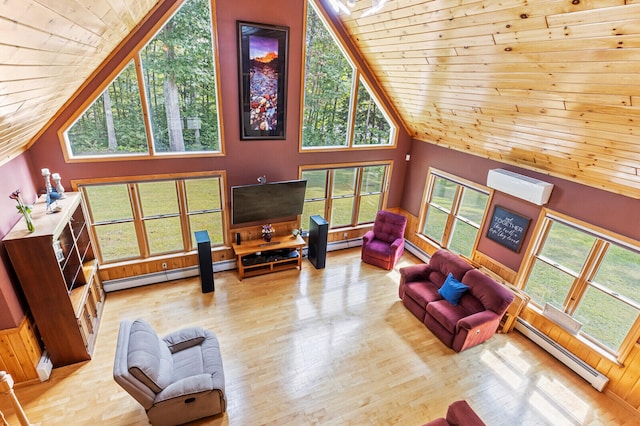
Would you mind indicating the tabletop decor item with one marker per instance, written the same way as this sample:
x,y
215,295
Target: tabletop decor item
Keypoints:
x,y
53,194
58,185
24,209
267,231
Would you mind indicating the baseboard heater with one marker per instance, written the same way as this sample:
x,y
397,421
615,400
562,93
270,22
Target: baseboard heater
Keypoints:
x,y
192,271
163,276
584,370
344,244
416,251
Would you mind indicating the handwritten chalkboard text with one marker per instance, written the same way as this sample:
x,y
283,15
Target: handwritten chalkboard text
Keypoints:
x,y
508,228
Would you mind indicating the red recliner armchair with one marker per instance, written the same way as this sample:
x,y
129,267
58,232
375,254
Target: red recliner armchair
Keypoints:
x,y
384,244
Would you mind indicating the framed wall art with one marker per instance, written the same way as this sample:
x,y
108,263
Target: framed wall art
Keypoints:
x,y
508,228
262,69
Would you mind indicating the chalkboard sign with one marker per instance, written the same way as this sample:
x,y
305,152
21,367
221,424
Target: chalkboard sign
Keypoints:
x,y
508,228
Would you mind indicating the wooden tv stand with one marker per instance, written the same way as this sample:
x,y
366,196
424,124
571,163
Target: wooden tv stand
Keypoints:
x,y
257,257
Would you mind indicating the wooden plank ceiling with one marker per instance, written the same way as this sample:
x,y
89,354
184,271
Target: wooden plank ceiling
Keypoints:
x,y
551,86
48,49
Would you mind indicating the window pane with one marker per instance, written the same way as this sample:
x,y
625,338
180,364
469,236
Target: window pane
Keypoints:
x,y
620,272
113,124
316,184
180,82
372,179
117,241
344,182
158,198
211,222
371,126
567,246
435,224
443,193
203,194
548,284
164,235
311,208
109,202
605,318
369,206
342,212
463,238
473,205
316,189
327,88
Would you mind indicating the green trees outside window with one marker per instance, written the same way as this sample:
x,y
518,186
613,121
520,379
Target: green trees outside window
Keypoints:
x,y
180,82
113,124
345,196
336,97
372,127
453,212
178,75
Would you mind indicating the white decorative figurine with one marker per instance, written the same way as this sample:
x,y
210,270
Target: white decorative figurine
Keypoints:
x,y
52,194
56,179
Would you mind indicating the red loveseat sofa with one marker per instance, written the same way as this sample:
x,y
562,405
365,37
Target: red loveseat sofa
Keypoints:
x,y
476,315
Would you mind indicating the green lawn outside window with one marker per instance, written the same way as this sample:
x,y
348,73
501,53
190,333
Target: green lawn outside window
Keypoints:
x,y
161,218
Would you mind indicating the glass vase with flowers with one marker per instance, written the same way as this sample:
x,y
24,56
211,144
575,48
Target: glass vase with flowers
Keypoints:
x,y
267,232
24,209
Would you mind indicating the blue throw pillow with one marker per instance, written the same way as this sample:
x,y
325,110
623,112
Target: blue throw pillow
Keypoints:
x,y
452,290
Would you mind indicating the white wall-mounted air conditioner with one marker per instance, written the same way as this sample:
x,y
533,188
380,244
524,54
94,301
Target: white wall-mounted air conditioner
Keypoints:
x,y
527,188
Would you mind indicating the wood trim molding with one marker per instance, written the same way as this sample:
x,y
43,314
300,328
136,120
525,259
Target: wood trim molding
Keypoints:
x,y
20,351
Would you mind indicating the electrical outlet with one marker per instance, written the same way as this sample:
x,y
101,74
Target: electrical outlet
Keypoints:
x,y
345,235
164,265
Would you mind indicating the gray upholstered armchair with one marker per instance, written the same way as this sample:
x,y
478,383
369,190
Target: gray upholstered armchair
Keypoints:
x,y
177,378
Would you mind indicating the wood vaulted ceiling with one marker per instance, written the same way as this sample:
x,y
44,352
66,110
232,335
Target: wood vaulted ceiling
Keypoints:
x,y
48,48
550,86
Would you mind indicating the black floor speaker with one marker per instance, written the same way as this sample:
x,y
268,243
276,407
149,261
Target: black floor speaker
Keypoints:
x,y
204,261
318,234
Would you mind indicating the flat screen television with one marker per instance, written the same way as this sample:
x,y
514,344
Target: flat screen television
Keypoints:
x,y
267,201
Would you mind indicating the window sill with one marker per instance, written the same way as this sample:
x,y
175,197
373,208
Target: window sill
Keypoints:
x,y
581,339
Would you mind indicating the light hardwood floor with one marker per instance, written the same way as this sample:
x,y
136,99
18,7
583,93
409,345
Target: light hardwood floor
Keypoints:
x,y
329,347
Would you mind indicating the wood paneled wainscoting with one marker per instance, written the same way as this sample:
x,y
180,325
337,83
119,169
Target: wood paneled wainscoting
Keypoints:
x,y
624,380
141,267
20,351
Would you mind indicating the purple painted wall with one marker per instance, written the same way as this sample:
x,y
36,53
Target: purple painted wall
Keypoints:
x,y
613,212
244,160
16,174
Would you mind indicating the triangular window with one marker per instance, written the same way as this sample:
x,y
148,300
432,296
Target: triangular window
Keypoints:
x,y
113,124
176,69
340,110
